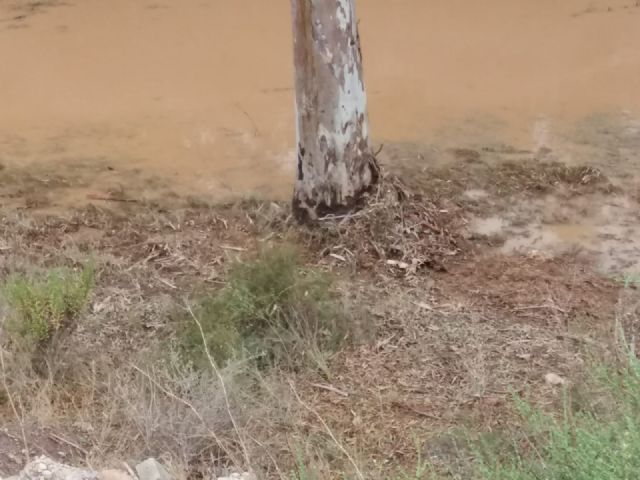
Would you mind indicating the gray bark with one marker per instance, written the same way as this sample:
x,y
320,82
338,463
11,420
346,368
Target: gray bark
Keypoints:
x,y
335,164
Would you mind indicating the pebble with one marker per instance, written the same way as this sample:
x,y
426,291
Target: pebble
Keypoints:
x,y
151,469
554,379
239,476
113,475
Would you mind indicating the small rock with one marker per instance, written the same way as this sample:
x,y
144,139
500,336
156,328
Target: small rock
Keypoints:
x,y
239,476
84,427
553,379
113,475
151,469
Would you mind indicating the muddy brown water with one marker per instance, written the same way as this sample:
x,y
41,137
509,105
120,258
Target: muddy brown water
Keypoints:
x,y
201,89
199,92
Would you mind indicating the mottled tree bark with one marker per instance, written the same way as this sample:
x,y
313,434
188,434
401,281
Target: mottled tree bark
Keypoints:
x,y
335,163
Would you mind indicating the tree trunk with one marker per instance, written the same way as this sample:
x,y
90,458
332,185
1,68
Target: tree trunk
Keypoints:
x,y
335,163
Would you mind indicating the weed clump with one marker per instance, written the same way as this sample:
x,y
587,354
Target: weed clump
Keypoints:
x,y
271,309
43,305
584,445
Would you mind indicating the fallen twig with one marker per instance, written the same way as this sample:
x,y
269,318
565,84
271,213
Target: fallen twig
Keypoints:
x,y
222,386
60,438
108,198
330,388
19,418
328,430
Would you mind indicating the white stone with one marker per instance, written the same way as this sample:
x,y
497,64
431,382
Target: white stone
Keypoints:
x,y
151,469
239,476
554,379
113,475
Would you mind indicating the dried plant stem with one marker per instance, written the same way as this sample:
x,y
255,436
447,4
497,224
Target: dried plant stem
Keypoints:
x,y
215,368
19,418
189,405
328,430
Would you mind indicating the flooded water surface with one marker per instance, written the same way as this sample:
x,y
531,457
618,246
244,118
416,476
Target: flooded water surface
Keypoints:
x,y
200,91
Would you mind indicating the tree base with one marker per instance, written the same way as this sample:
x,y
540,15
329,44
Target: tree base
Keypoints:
x,y
309,210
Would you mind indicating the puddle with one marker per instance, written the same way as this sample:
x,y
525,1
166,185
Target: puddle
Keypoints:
x,y
199,91
609,232
549,238
476,194
489,226
573,233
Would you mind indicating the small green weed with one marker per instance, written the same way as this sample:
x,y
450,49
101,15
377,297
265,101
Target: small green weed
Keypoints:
x,y
302,472
42,305
272,309
582,445
422,471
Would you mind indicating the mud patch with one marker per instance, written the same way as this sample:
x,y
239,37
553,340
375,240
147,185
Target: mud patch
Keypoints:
x,y
490,172
602,227
54,191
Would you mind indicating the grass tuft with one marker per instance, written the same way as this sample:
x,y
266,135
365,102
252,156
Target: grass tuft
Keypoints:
x,y
273,310
44,304
590,444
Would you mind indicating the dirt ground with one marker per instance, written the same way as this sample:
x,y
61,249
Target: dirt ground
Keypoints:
x,y
493,282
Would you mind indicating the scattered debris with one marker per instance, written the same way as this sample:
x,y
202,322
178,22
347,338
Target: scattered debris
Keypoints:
x,y
398,228
110,197
441,348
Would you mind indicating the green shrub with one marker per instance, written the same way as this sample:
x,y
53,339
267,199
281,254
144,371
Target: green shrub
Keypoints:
x,y
272,309
44,304
583,445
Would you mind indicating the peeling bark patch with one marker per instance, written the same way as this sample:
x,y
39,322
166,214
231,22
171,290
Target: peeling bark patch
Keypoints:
x,y
301,153
323,144
342,16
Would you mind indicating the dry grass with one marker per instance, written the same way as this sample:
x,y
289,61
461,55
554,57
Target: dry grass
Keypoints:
x,y
444,365
445,339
